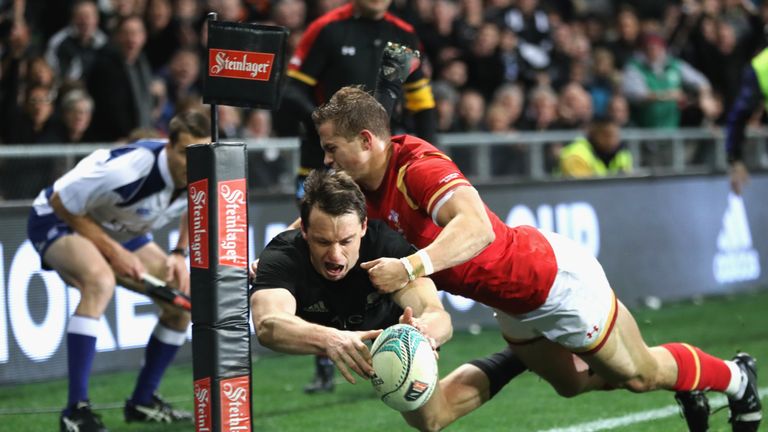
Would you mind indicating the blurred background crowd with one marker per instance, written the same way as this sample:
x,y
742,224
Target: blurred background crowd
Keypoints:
x,y
76,71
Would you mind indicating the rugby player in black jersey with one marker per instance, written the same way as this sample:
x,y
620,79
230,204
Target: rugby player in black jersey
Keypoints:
x,y
310,296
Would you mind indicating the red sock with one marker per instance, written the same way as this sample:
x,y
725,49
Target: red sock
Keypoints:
x,y
697,370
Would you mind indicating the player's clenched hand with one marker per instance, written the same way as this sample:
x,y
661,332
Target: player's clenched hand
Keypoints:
x,y
176,270
127,264
386,274
347,350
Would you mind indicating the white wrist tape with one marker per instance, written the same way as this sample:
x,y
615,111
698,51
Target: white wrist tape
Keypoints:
x,y
426,262
408,268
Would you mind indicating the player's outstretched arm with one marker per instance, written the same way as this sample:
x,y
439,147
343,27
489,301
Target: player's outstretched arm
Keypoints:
x,y
278,328
467,230
122,261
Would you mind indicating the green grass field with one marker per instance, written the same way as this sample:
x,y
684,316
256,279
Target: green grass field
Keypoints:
x,y
720,326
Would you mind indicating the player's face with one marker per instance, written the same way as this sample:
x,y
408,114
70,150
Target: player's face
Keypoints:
x,y
177,157
343,154
334,242
372,8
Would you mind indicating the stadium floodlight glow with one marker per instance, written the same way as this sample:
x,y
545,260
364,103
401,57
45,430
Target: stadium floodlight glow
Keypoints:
x,y
38,341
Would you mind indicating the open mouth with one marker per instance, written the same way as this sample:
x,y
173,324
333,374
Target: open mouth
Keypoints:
x,y
334,269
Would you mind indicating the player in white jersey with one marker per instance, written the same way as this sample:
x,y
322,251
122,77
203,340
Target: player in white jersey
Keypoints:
x,y
94,227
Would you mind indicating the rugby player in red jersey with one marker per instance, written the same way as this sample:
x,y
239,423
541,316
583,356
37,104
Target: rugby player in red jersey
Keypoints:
x,y
551,297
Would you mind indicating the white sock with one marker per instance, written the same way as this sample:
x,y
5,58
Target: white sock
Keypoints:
x,y
738,383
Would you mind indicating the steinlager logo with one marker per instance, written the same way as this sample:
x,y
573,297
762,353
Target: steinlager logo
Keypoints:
x,y
203,405
233,226
240,64
198,223
235,404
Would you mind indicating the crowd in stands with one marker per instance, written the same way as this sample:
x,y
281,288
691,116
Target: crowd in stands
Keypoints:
x,y
78,71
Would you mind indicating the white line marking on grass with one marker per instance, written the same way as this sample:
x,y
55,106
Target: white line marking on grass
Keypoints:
x,y
715,402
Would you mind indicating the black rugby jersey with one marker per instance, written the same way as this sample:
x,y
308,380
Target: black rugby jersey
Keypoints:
x,y
352,303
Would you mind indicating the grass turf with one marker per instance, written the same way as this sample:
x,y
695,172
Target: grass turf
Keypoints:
x,y
720,326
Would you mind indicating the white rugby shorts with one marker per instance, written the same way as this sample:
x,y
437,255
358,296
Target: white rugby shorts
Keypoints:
x,y
580,310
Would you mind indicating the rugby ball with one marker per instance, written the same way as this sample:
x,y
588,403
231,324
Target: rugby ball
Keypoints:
x,y
405,368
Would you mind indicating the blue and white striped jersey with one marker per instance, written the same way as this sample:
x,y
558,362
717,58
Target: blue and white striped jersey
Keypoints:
x,y
127,190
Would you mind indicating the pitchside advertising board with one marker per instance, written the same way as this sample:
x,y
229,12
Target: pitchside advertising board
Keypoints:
x,y
672,238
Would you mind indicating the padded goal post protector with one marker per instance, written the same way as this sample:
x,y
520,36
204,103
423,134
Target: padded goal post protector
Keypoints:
x,y
245,64
218,234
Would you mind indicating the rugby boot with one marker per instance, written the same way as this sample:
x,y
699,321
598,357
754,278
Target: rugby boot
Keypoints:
x,y
398,62
158,411
81,419
323,379
695,409
746,412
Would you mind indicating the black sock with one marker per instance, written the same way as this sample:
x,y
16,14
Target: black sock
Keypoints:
x,y
500,368
324,367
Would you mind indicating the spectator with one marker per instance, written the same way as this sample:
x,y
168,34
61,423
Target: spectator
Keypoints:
x,y
264,167
628,39
574,107
654,84
485,69
77,111
471,118
182,76
531,24
72,50
605,81
541,113
163,33
120,84
471,111
454,72
440,36
618,110
35,122
598,154
291,14
446,100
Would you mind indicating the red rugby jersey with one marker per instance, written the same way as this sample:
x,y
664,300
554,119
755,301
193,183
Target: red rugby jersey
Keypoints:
x,y
513,274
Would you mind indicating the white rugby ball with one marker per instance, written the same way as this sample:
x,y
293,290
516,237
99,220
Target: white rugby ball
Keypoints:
x,y
405,368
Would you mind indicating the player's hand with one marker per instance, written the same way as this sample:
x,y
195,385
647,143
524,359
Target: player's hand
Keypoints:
x,y
387,274
408,318
252,269
398,62
127,264
739,177
348,350
176,271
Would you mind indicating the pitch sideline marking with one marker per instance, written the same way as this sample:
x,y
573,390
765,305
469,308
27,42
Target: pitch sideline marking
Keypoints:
x,y
639,417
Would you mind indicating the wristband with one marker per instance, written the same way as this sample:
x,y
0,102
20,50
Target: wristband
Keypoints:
x,y
408,268
178,251
426,262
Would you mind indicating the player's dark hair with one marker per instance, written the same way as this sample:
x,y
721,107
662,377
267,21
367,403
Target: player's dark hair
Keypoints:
x,y
351,110
333,192
193,122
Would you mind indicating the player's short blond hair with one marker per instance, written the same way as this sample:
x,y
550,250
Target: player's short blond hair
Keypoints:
x,y
351,110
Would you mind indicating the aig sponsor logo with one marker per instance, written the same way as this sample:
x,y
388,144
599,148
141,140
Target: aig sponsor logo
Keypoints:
x,y
198,223
240,64
233,223
235,404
